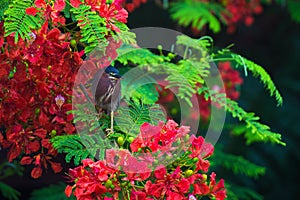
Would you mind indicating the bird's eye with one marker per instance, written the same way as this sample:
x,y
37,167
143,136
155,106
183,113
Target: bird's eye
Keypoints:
x,y
112,74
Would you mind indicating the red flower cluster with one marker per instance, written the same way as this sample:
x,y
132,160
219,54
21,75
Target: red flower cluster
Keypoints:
x,y
128,175
93,180
133,4
37,77
160,137
241,11
112,12
49,12
36,80
231,79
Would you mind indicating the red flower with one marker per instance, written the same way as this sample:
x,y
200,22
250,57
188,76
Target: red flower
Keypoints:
x,y
112,13
90,180
68,191
31,112
40,3
240,10
36,172
135,4
171,186
217,189
137,195
31,11
75,3
21,140
59,5
158,137
199,184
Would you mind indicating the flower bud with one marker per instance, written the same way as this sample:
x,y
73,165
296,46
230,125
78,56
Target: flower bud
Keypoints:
x,y
188,173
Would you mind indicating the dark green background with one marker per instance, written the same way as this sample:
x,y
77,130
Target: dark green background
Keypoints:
x,y
273,41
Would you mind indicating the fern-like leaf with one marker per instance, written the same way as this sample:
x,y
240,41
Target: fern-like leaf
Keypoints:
x,y
8,192
18,22
201,44
237,164
197,14
253,131
258,71
294,8
128,54
236,192
51,192
139,84
80,147
93,27
130,118
3,6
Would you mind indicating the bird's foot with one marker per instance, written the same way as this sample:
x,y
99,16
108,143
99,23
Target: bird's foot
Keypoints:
x,y
109,131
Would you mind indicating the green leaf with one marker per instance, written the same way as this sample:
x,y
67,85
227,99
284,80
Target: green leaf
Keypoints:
x,y
147,93
258,71
294,9
237,164
253,131
126,36
128,54
3,6
8,192
51,192
131,117
80,147
139,85
17,21
197,14
236,192
93,27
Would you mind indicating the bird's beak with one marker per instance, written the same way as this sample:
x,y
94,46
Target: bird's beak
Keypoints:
x,y
118,76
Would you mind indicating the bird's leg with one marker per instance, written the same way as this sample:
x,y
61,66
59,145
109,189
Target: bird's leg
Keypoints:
x,y
112,121
111,129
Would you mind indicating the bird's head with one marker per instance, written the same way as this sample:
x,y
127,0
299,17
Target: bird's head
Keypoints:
x,y
113,73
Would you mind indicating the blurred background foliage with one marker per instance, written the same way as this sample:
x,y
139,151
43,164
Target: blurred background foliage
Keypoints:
x,y
273,41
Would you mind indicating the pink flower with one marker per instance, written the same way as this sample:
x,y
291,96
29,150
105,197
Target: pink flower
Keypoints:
x,y
59,100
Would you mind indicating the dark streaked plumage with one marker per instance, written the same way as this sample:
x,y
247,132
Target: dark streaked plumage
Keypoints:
x,y
106,89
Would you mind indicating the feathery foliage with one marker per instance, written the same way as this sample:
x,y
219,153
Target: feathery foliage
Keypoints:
x,y
93,27
67,11
237,164
91,143
8,169
51,192
202,44
258,71
197,14
294,7
130,118
253,131
184,74
18,22
236,192
137,56
138,84
80,147
125,35
3,6
8,192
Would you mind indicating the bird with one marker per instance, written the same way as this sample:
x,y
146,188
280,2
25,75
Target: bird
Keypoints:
x,y
106,88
